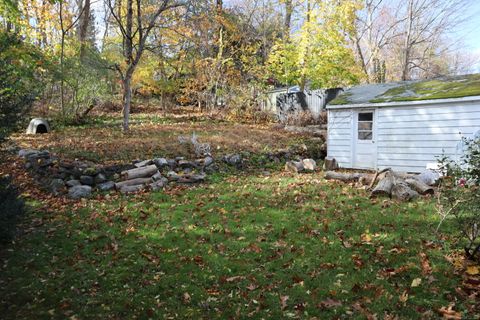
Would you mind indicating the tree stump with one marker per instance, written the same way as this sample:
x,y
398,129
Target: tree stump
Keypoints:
x,y
330,164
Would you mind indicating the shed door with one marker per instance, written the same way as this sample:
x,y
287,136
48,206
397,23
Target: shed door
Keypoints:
x,y
364,149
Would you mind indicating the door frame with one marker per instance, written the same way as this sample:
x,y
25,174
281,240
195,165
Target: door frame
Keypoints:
x,y
355,113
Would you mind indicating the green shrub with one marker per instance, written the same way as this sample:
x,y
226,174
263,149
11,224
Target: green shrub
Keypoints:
x,y
11,208
20,80
459,194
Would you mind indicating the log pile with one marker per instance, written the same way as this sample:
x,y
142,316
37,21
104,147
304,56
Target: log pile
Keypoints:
x,y
397,185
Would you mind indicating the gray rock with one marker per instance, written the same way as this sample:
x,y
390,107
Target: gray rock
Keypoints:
x,y
78,192
73,183
100,178
158,185
90,171
172,176
294,166
192,178
208,161
186,164
309,164
57,186
212,168
179,158
157,176
27,152
233,159
172,163
87,180
187,170
106,186
161,163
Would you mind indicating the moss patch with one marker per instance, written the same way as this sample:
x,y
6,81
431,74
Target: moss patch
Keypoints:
x,y
441,88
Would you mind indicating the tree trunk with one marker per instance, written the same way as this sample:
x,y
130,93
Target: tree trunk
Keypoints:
x,y
288,19
407,45
127,100
83,28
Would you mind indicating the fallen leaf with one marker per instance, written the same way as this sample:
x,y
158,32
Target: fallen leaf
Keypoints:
x,y
449,313
329,303
283,301
426,268
416,282
186,297
234,278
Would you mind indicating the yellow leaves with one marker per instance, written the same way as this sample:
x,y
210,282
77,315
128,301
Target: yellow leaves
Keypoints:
x,y
366,238
473,270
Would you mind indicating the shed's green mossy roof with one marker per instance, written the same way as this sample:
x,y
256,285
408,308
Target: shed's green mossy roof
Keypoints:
x,y
440,88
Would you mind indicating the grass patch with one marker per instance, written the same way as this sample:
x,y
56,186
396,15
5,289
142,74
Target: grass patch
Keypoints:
x,y
251,246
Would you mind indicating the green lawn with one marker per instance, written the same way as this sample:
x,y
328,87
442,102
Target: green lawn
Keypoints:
x,y
242,246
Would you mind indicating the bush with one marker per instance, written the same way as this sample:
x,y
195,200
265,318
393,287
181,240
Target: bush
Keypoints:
x,y
11,208
20,73
459,194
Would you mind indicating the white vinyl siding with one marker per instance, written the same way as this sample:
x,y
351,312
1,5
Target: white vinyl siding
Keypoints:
x,y
410,137
339,144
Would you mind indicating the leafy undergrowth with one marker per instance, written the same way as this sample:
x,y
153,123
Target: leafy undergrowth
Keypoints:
x,y
156,135
249,246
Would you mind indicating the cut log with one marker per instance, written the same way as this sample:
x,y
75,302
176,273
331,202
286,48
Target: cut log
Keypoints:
x,y
376,176
330,164
401,191
142,172
132,182
384,187
345,177
132,189
429,177
144,163
419,186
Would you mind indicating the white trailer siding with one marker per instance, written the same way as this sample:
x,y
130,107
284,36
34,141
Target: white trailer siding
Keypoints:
x,y
339,141
408,135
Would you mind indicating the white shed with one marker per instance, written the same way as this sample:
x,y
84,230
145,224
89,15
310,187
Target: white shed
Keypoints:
x,y
405,126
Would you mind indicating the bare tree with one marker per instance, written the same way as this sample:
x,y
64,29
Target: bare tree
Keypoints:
x,y
406,35
426,21
135,26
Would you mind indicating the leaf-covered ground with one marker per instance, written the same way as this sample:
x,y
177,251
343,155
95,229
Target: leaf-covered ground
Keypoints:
x,y
153,134
244,245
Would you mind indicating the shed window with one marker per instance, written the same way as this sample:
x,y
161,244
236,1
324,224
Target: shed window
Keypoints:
x,y
365,126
